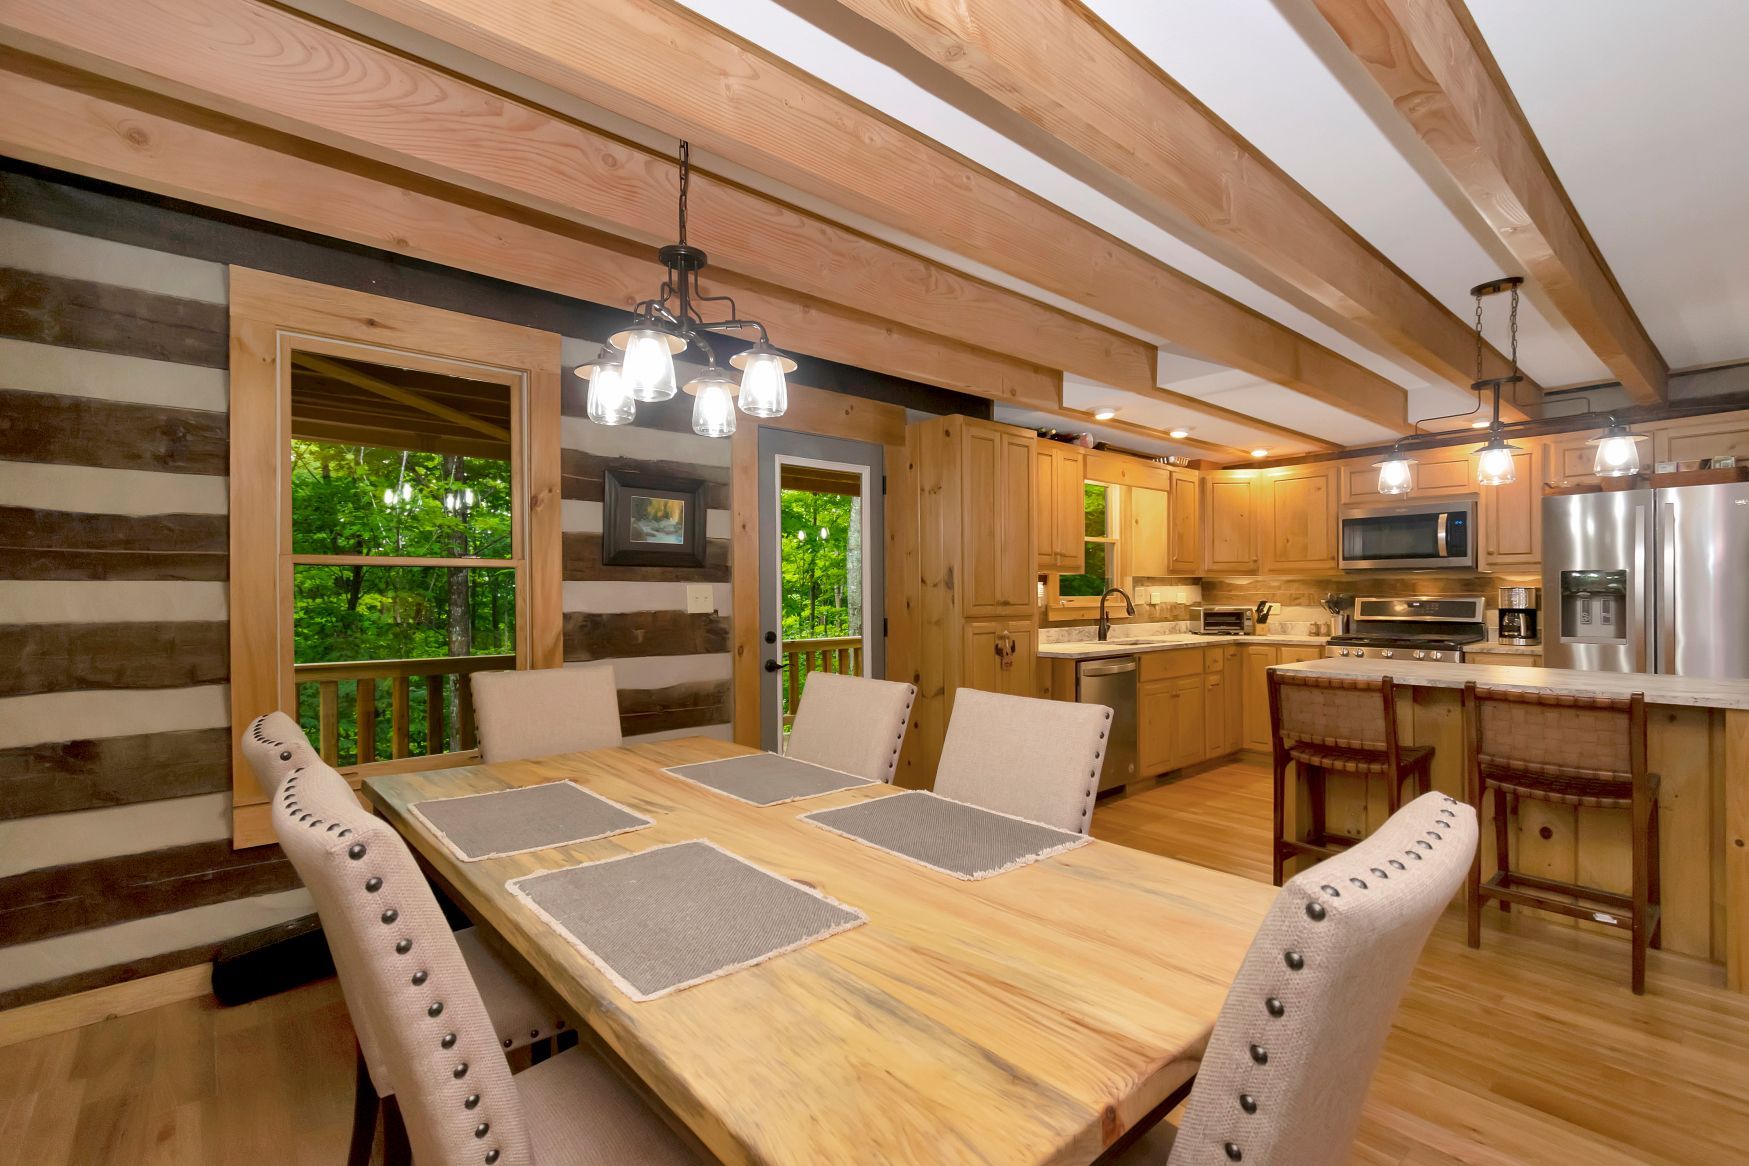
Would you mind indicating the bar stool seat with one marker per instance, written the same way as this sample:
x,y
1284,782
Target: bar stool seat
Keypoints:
x,y
1358,758
1567,787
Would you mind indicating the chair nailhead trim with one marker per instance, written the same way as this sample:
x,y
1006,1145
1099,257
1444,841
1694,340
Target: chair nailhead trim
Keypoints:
x,y
1294,960
1424,844
403,947
1260,1054
355,851
448,1041
491,1157
534,1034
1275,1007
436,1009
470,1101
1233,1152
482,1129
508,1042
419,977
1380,873
1315,912
1397,864
390,916
285,755
1247,1103
460,1071
1361,883
372,885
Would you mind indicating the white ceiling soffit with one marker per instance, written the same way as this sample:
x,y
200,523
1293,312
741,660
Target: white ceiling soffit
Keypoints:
x,y
1640,108
1157,413
1032,419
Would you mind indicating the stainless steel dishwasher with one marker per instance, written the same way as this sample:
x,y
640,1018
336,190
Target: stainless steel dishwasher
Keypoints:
x,y
1112,683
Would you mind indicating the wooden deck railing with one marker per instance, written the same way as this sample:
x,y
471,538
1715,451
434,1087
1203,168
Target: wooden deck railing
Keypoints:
x,y
829,654
400,675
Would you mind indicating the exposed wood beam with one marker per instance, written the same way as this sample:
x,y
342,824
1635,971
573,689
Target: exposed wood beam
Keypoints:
x,y
334,370
663,66
275,68
1430,59
1056,64
102,128
1119,425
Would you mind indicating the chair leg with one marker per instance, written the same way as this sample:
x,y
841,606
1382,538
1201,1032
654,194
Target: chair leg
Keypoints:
x,y
1276,838
1654,891
1314,778
1643,825
540,1050
365,1104
397,1150
1502,840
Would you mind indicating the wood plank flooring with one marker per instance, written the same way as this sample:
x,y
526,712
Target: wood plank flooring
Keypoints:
x,y
1530,1051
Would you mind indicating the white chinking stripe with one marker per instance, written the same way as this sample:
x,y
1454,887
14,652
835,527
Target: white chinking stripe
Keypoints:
x,y
48,251
614,597
95,491
25,601
108,376
84,835
48,717
578,517
665,671
100,947
650,445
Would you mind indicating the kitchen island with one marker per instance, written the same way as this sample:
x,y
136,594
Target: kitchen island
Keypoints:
x,y
1697,740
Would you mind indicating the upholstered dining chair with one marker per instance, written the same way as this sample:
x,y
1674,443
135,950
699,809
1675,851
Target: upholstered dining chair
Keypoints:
x,y
1034,759
540,711
423,1028
1286,1070
852,724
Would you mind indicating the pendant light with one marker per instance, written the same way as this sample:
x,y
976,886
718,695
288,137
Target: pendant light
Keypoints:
x,y
1396,472
1496,461
667,325
610,398
1618,451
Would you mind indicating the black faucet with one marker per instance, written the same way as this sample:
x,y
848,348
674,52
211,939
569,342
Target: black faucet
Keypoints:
x,y
1104,619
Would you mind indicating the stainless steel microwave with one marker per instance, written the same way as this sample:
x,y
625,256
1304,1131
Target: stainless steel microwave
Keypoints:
x,y
1409,537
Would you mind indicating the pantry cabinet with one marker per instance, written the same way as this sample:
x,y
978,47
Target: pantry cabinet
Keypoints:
x,y
1058,507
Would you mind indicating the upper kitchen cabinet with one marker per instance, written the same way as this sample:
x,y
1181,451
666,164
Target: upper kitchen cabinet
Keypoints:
x,y
997,470
1058,507
1149,552
1184,523
1511,515
1230,512
1448,470
1724,435
1299,519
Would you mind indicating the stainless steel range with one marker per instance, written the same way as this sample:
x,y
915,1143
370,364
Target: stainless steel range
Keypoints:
x,y
1413,627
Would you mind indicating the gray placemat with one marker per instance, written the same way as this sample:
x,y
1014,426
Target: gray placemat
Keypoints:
x,y
530,817
673,916
766,779
968,842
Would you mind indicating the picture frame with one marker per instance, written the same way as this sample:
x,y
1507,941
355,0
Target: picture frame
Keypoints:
x,y
649,520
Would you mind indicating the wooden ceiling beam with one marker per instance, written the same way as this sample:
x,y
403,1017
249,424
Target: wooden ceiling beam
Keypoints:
x,y
1057,65
663,66
1432,62
89,125
276,68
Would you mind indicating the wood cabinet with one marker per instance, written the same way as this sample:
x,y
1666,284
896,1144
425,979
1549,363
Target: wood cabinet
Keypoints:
x,y
1000,656
1255,662
1696,438
1446,470
1511,517
1299,519
1148,533
1184,707
1058,507
1504,659
1230,523
1184,523
1214,714
997,528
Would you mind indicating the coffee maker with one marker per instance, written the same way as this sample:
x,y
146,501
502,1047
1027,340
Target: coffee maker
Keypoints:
x,y
1518,607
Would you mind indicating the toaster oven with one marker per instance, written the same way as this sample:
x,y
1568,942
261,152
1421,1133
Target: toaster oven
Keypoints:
x,y
1228,621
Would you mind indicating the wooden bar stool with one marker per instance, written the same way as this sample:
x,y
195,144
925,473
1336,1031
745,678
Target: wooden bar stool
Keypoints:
x,y
1324,726
1572,751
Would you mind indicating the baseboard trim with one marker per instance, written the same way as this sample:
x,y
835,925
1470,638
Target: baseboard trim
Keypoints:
x,y
46,1017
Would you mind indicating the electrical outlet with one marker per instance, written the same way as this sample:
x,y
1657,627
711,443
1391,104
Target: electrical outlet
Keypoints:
x,y
701,599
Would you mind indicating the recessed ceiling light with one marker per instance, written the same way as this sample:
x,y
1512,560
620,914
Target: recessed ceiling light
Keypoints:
x,y
1104,414
1260,453
1478,425
1178,433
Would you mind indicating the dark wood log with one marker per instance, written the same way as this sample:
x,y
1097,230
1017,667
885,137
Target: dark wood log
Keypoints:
x,y
66,657
117,435
583,562
582,475
103,977
64,544
56,900
606,636
79,313
677,706
113,771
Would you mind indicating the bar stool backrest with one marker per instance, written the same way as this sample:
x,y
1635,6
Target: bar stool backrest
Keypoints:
x,y
1558,736
1324,710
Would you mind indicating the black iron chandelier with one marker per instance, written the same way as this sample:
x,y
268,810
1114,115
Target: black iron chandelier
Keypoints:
x,y
1617,449
637,363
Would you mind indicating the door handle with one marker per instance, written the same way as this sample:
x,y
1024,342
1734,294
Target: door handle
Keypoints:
x,y
1666,633
772,665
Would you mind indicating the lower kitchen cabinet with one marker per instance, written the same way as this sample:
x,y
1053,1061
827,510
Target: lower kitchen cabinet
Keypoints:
x,y
1256,660
999,656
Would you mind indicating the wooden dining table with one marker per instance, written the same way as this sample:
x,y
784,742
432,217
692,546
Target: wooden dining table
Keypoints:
x,y
1031,1017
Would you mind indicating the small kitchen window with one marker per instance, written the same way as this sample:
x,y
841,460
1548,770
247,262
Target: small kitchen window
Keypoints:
x,y
1100,526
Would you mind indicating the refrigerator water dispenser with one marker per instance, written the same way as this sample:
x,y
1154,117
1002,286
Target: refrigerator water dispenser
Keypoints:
x,y
1594,606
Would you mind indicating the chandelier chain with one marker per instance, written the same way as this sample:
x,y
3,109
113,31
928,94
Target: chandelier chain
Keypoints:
x,y
685,182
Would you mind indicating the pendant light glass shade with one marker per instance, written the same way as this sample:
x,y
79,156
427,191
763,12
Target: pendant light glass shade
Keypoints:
x,y
649,362
1495,464
610,400
1618,452
713,403
1396,473
764,390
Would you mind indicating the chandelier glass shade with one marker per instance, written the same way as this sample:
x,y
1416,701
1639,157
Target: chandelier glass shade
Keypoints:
x,y
610,398
713,403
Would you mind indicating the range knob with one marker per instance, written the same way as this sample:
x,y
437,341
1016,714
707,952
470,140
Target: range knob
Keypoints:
x,y
1360,651
1344,651
1420,655
1439,655
1388,653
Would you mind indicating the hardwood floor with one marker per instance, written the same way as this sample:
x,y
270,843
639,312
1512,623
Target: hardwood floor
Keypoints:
x,y
1531,1050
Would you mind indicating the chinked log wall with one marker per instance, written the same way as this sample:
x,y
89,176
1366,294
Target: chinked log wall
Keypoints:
x,y
114,756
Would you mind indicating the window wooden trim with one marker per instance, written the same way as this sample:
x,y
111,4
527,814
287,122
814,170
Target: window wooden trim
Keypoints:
x,y
1059,606
272,314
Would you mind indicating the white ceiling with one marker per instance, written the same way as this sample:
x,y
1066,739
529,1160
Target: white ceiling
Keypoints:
x,y
1640,111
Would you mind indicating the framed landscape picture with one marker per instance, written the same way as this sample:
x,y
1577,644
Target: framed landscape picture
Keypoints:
x,y
652,521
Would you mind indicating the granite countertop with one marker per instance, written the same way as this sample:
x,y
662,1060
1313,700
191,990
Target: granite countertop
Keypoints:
x,y
1095,650
1691,691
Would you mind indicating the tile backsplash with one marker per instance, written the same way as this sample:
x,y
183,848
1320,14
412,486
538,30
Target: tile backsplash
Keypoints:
x,y
1301,599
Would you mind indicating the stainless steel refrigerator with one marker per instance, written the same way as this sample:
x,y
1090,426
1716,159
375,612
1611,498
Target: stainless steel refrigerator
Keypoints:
x,y
1648,581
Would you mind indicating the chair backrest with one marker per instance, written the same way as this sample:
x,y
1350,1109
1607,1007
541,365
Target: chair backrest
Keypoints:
x,y
1557,736
420,1021
852,724
1036,759
540,711
1287,1067
1326,710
